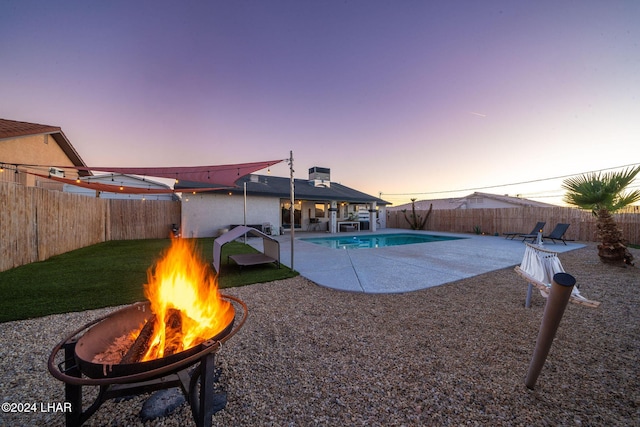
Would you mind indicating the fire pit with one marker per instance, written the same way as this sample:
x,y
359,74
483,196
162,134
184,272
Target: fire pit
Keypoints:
x,y
169,341
107,331
78,369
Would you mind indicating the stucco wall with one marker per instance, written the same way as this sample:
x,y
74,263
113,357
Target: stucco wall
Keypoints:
x,y
35,150
203,215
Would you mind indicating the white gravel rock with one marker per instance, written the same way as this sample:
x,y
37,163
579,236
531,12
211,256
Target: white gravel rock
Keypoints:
x,y
456,354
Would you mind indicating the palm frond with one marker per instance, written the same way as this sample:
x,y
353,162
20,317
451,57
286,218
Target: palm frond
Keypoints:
x,y
595,190
627,199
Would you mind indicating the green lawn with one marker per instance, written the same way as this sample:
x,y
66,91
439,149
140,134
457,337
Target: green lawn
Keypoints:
x,y
108,274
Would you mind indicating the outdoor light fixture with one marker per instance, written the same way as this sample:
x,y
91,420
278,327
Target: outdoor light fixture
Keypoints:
x,y
56,172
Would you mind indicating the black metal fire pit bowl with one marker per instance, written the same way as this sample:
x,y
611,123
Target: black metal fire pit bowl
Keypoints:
x,y
117,380
119,323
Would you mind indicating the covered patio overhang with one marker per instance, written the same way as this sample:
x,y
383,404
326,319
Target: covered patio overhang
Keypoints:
x,y
332,216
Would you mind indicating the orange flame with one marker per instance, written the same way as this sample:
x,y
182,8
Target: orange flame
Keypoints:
x,y
183,281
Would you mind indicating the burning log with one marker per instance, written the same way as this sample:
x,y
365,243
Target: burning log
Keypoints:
x,y
135,350
126,350
141,345
175,304
173,332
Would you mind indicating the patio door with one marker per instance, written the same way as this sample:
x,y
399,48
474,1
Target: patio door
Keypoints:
x,y
285,214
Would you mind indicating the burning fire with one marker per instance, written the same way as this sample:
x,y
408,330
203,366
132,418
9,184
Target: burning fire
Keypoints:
x,y
185,301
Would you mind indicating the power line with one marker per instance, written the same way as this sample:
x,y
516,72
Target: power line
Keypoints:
x,y
542,194
507,185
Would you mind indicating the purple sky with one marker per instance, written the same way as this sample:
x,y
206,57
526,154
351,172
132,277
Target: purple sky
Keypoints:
x,y
394,96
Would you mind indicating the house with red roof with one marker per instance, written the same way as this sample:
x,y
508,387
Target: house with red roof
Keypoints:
x,y
32,147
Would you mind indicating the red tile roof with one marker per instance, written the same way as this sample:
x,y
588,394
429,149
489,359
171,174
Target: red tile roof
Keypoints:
x,y
15,129
12,128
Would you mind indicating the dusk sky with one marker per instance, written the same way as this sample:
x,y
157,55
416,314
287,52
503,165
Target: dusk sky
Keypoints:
x,y
395,97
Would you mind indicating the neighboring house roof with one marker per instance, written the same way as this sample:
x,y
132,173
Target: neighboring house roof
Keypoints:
x,y
274,186
513,200
467,201
117,179
10,129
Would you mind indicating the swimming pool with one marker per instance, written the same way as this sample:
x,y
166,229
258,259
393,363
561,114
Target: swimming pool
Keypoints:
x,y
368,241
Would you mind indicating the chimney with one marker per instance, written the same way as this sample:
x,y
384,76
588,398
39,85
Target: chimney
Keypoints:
x,y
320,177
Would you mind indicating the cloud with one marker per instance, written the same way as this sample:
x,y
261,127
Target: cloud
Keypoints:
x,y
477,114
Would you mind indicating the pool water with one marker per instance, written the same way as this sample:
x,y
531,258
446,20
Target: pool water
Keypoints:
x,y
376,240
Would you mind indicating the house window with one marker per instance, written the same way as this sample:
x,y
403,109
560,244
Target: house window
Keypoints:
x,y
320,210
285,214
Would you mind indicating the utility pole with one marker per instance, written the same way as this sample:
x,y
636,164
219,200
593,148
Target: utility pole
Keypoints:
x,y
245,211
292,207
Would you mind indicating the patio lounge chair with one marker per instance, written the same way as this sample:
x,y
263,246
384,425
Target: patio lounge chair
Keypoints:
x,y
534,233
558,233
538,267
539,226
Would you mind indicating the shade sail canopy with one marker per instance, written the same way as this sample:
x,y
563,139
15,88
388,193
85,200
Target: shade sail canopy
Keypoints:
x,y
124,189
217,175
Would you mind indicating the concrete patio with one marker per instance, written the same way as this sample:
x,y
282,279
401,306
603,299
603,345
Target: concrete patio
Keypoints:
x,y
407,268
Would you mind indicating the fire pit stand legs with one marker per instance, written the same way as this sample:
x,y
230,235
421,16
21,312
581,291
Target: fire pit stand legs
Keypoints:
x,y
202,407
194,372
200,401
72,394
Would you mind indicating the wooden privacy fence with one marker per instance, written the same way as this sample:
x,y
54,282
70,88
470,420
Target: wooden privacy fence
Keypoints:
x,y
36,224
505,220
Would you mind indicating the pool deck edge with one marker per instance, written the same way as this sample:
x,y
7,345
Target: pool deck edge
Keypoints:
x,y
400,269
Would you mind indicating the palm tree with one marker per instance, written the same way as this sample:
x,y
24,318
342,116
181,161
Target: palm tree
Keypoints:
x,y
604,194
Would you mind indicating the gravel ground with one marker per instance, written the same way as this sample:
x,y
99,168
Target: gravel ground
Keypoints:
x,y
456,354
